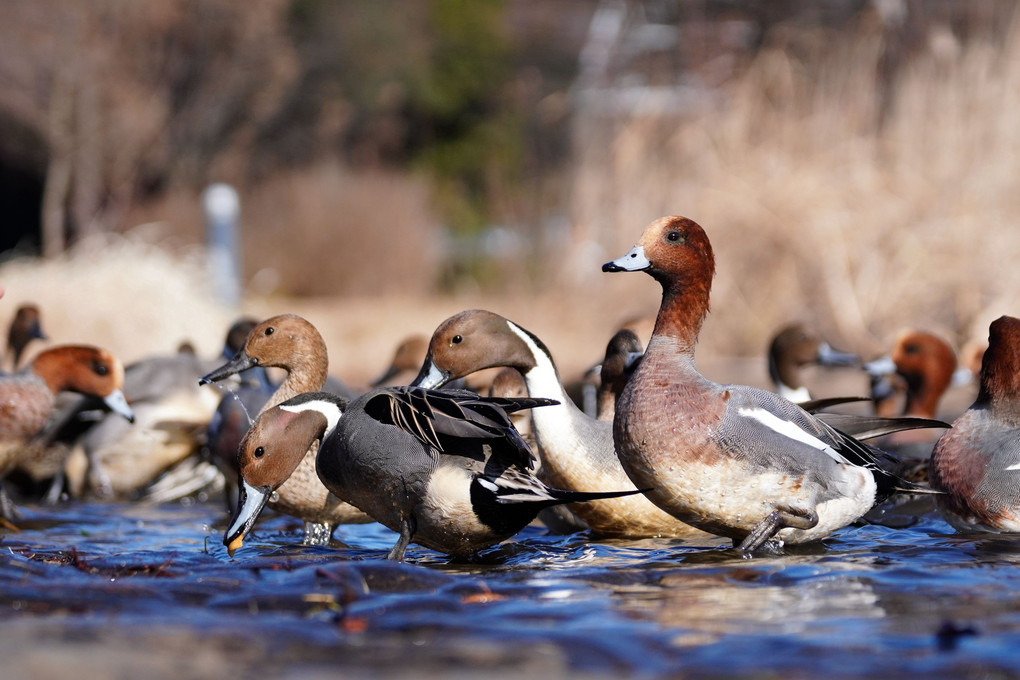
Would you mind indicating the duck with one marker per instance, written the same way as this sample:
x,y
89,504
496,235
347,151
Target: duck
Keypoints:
x,y
623,353
733,460
444,469
576,450
911,380
25,327
213,466
405,363
976,462
293,343
793,347
27,397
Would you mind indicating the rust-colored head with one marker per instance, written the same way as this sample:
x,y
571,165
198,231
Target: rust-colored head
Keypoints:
x,y
676,252
927,363
1000,366
473,340
86,370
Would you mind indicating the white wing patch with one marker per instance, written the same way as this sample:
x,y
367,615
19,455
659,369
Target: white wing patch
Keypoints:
x,y
1015,466
790,430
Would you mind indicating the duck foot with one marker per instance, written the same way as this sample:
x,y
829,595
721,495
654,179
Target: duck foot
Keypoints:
x,y
8,510
407,527
776,521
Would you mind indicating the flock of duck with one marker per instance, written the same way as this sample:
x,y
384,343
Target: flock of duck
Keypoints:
x,y
662,451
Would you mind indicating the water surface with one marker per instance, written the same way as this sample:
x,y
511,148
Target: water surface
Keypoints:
x,y
122,590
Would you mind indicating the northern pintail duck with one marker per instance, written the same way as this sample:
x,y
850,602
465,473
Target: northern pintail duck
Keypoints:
x,y
25,327
576,450
405,363
27,398
977,462
794,347
623,353
444,469
292,343
732,460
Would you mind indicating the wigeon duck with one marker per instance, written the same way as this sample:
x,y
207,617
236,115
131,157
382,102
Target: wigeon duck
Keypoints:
x,y
171,415
977,462
27,397
911,380
732,460
794,347
576,450
292,343
25,327
444,469
623,353
405,363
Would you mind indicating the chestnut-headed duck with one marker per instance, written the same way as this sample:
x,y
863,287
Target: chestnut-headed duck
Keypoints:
x,y
294,344
444,469
911,380
977,462
25,327
576,450
793,348
623,353
27,398
733,460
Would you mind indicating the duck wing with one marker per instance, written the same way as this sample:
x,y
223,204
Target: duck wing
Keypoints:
x,y
440,418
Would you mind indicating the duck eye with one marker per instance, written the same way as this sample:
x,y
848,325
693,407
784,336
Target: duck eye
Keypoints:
x,y
457,339
269,331
260,451
911,349
674,237
100,369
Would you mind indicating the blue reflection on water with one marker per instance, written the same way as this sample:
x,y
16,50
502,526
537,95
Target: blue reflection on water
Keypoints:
x,y
872,600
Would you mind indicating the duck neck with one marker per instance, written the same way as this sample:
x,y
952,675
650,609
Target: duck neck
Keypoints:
x,y
305,377
922,398
540,373
685,303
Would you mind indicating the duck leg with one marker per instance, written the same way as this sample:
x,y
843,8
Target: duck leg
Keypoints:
x,y
8,510
407,528
776,521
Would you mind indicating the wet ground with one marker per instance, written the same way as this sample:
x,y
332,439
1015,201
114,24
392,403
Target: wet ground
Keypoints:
x,y
124,591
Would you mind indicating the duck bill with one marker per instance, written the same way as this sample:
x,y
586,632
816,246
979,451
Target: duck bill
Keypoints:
x,y
431,376
880,367
828,356
634,261
632,360
117,402
250,502
240,362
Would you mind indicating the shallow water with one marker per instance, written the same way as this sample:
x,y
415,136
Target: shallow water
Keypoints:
x,y
121,590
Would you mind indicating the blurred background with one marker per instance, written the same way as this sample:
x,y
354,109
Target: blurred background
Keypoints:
x,y
854,162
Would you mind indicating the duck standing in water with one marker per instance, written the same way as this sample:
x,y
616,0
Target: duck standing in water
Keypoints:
x,y
27,398
292,343
444,469
977,462
732,460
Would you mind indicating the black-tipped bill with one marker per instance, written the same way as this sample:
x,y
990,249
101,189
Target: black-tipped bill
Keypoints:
x,y
250,502
240,362
633,261
118,404
430,376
